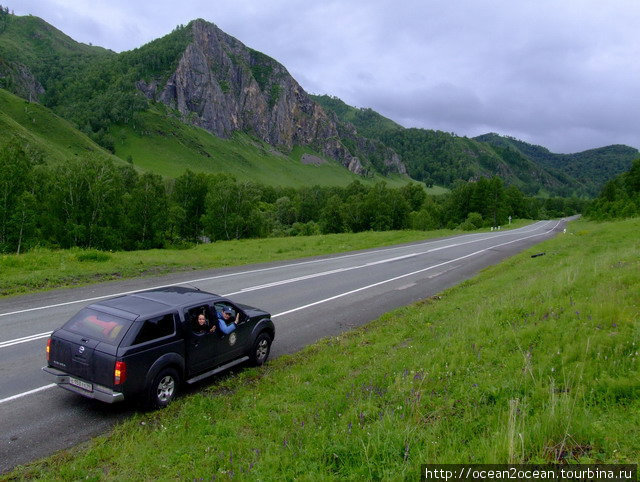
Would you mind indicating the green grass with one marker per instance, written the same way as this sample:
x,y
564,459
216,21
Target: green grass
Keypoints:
x,y
437,190
166,146
40,128
41,269
534,360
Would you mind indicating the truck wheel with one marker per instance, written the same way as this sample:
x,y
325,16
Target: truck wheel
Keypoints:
x,y
261,348
164,388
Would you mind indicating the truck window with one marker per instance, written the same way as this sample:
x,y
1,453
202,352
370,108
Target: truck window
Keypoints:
x,y
98,326
191,316
155,328
221,305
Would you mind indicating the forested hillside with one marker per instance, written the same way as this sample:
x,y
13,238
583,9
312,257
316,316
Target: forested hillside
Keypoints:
x,y
620,197
592,168
39,130
89,86
367,121
36,58
441,158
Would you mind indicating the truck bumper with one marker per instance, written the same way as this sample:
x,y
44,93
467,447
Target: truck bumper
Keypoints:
x,y
97,392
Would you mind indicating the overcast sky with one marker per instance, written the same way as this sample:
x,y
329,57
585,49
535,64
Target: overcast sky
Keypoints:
x,y
564,74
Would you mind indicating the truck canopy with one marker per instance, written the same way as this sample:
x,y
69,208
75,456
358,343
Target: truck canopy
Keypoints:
x,y
98,325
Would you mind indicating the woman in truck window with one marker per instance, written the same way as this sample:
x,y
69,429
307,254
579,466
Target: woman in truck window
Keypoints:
x,y
203,325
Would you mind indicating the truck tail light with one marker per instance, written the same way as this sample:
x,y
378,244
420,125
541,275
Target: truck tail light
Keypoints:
x,y
48,349
120,373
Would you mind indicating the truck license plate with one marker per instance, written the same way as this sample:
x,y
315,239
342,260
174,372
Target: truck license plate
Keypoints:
x,y
80,384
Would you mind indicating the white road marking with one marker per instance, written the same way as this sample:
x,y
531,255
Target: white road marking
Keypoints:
x,y
45,387
435,275
30,392
406,287
321,273
25,339
401,276
260,270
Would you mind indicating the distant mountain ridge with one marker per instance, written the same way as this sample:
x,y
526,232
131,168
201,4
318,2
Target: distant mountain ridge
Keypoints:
x,y
593,167
441,157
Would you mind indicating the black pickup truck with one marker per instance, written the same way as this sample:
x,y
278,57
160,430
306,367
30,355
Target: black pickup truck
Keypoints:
x,y
144,345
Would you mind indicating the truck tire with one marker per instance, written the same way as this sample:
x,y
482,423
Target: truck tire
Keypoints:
x,y
163,388
261,348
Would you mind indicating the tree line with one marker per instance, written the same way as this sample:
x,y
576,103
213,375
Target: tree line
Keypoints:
x,y
4,17
620,197
91,203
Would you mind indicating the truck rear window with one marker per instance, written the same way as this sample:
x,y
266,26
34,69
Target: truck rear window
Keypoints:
x,y
98,326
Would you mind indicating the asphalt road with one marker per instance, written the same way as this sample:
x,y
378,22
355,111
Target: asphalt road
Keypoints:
x,y
309,299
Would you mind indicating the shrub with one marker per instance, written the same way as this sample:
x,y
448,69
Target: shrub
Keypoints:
x,y
93,255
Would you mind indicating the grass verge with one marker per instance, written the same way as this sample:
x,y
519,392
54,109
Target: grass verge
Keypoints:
x,y
534,360
42,269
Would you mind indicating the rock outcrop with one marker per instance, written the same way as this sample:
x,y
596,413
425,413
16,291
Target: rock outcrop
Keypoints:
x,y
383,158
18,79
223,86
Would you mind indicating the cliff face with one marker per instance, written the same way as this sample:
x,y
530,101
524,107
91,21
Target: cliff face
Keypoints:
x,y
384,159
17,78
223,86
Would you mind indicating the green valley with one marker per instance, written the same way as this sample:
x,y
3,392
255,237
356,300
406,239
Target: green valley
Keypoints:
x,y
158,142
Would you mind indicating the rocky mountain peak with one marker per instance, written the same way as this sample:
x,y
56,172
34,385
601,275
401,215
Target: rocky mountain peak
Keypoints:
x,y
223,86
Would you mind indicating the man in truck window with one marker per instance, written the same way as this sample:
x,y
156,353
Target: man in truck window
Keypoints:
x,y
226,322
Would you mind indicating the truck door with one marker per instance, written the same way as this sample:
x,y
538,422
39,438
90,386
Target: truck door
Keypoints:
x,y
204,349
235,343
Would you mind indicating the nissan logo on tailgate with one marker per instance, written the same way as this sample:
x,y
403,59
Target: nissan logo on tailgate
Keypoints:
x,y
81,349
